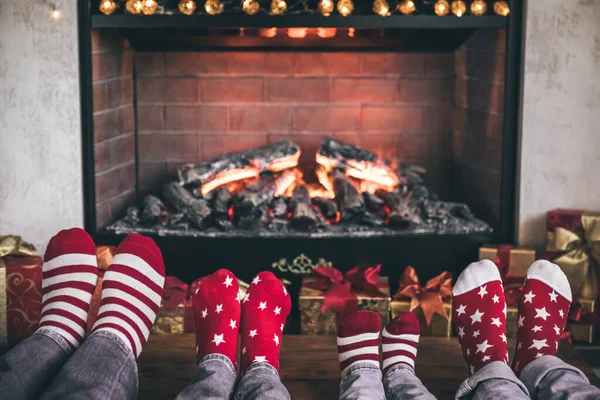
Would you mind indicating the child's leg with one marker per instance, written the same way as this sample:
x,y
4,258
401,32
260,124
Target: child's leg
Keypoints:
x,y
69,276
400,339
104,366
478,309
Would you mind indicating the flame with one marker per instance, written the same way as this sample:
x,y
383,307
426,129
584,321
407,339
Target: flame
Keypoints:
x,y
323,178
285,180
371,172
229,176
285,163
317,190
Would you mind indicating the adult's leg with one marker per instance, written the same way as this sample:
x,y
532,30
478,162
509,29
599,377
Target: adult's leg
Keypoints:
x,y
217,312
400,339
264,312
69,275
358,352
479,317
104,366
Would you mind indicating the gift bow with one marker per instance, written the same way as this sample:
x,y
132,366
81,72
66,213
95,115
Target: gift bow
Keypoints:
x,y
578,251
338,287
430,297
104,256
177,292
11,245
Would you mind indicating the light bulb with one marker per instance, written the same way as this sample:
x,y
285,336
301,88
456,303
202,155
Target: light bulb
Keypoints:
x,y
407,7
345,7
267,32
459,8
441,7
107,7
326,33
56,14
501,8
351,32
326,7
278,7
478,7
250,7
213,7
134,6
187,7
149,7
381,7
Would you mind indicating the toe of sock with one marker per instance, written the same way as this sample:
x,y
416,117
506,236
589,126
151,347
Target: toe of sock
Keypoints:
x,y
552,275
143,247
74,240
359,322
406,323
475,275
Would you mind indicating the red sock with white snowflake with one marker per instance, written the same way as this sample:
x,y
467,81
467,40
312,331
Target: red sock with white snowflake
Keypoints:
x,y
479,315
264,311
217,310
358,339
543,313
400,340
132,291
69,278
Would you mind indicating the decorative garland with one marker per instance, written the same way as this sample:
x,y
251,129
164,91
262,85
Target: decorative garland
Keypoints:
x,y
324,7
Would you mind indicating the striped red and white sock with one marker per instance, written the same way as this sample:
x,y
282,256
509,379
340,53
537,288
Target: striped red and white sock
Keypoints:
x,y
358,340
132,291
69,277
400,340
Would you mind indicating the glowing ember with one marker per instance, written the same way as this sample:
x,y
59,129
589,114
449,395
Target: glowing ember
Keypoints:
x,y
316,190
229,176
323,178
377,174
285,163
285,180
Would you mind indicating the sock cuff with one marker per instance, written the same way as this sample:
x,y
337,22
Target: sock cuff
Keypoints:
x,y
476,274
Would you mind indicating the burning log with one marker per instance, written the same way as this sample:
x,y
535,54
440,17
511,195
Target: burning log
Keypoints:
x,y
220,202
152,210
286,179
242,165
350,203
255,195
279,207
327,207
372,202
303,216
401,213
196,210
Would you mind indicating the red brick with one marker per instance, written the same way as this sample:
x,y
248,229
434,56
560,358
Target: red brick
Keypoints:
x,y
297,90
440,145
478,123
113,123
479,95
412,146
232,89
168,147
151,174
167,90
198,118
150,64
99,99
390,119
107,40
436,119
326,63
113,152
119,204
425,91
103,215
325,118
150,118
489,66
115,181
439,65
362,90
385,146
111,65
278,63
119,92
189,63
259,118
402,64
214,146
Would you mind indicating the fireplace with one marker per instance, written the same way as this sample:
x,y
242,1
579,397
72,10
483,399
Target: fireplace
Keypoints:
x,y
392,142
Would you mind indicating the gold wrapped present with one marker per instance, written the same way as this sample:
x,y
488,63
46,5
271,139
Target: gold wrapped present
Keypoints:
x,y
439,326
512,319
330,292
513,262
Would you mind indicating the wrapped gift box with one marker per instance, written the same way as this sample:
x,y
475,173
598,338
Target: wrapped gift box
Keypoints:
x,y
314,321
512,319
512,262
439,326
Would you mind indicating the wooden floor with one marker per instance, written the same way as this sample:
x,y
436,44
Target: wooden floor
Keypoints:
x,y
309,366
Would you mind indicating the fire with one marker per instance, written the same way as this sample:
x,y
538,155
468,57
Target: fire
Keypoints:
x,y
284,181
285,163
228,177
323,177
373,173
317,190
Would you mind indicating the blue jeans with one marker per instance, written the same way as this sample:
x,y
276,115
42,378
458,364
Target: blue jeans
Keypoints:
x,y
215,379
44,366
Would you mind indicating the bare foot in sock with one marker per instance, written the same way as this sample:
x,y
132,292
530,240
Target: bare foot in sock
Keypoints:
x,y
358,339
400,340
131,292
264,311
542,313
217,310
479,315
69,278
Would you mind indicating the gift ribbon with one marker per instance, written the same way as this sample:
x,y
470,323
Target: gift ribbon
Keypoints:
x,y
177,292
339,289
577,254
503,259
430,297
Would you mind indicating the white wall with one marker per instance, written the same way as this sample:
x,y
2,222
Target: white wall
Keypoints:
x,y
560,160
40,140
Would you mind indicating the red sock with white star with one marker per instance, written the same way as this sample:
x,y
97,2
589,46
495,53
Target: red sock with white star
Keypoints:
x,y
479,315
543,313
217,310
265,309
69,278
358,339
400,340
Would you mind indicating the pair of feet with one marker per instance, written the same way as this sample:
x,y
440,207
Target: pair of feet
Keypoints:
x,y
221,314
358,341
479,314
131,289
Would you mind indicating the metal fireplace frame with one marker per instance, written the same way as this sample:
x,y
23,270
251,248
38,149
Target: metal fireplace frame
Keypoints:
x,y
190,257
